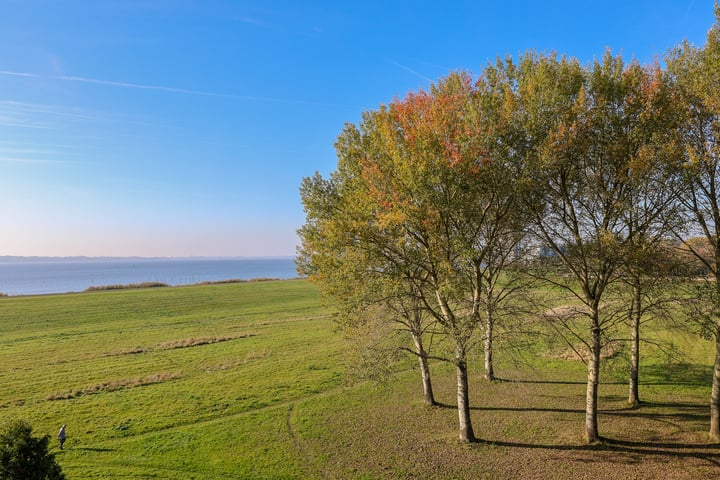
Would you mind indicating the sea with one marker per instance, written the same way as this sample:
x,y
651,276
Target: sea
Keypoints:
x,y
47,275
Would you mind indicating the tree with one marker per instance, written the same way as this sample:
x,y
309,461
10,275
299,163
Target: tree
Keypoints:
x,y
651,118
589,131
646,276
24,457
502,140
395,205
348,258
422,201
697,73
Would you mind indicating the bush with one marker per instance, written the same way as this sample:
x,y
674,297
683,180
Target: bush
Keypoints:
x,y
24,457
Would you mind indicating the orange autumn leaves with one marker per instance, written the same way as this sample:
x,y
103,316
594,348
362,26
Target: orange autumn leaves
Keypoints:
x,y
427,150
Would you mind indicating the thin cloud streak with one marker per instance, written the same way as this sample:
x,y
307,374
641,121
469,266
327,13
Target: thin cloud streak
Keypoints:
x,y
5,145
34,115
687,10
36,161
26,109
23,151
411,71
5,123
161,88
19,74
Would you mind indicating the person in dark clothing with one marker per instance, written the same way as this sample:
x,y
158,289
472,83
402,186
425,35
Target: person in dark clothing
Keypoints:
x,y
62,436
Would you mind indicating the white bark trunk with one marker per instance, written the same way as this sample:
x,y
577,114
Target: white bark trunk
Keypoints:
x,y
715,395
591,398
489,370
634,391
463,401
428,395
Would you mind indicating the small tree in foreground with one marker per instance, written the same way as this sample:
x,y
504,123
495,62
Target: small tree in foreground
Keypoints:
x,y
24,457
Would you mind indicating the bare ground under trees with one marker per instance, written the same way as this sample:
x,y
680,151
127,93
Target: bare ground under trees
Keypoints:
x,y
528,428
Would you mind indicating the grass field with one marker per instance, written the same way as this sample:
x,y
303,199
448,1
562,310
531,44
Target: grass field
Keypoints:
x,y
246,381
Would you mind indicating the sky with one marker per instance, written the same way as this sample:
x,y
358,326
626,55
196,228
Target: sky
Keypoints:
x,y
185,127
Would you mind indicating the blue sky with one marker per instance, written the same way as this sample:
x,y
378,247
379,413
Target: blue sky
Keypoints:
x,y
184,127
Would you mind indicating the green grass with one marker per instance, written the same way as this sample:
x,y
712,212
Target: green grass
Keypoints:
x,y
215,410
245,380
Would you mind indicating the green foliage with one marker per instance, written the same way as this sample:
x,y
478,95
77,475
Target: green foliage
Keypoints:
x,y
24,457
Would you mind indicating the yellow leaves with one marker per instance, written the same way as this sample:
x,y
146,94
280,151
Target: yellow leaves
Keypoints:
x,y
581,102
509,103
391,217
642,161
562,138
608,240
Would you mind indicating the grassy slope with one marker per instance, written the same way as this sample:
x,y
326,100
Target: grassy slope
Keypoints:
x,y
269,401
223,406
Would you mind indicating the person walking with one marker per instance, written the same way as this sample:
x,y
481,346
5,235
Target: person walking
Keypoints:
x,y
62,436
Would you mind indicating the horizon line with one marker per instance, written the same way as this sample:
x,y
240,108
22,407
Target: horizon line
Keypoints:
x,y
142,257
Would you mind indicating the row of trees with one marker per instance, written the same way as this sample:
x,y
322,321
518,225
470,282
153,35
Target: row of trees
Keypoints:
x,y
442,202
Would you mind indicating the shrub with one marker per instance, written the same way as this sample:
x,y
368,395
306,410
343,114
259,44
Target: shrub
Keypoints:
x,y
126,286
24,457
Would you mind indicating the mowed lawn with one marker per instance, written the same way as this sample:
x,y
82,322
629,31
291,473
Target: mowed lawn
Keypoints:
x,y
246,381
183,382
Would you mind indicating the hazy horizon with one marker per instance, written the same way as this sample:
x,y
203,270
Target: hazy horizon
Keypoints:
x,y
134,257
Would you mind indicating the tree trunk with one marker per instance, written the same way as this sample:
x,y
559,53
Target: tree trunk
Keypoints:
x,y
428,395
715,391
489,370
715,395
635,314
463,401
591,398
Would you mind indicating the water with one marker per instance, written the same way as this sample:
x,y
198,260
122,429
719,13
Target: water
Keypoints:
x,y
35,276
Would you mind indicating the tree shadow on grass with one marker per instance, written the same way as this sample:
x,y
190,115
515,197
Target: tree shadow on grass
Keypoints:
x,y
689,411
683,374
539,382
94,449
552,382
637,451
686,412
519,409
700,412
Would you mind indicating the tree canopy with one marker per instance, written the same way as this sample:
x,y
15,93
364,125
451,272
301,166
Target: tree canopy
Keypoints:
x,y
440,195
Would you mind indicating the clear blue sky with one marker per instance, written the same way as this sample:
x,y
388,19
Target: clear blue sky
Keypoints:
x,y
184,127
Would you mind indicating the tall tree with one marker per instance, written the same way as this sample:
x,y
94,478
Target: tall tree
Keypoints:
x,y
697,72
588,163
419,191
347,258
651,118
424,189
503,143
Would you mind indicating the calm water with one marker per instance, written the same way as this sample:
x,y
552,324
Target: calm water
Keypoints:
x,y
41,276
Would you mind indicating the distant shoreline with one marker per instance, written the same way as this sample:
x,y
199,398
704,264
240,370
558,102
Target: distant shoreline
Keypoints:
x,y
38,259
21,276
